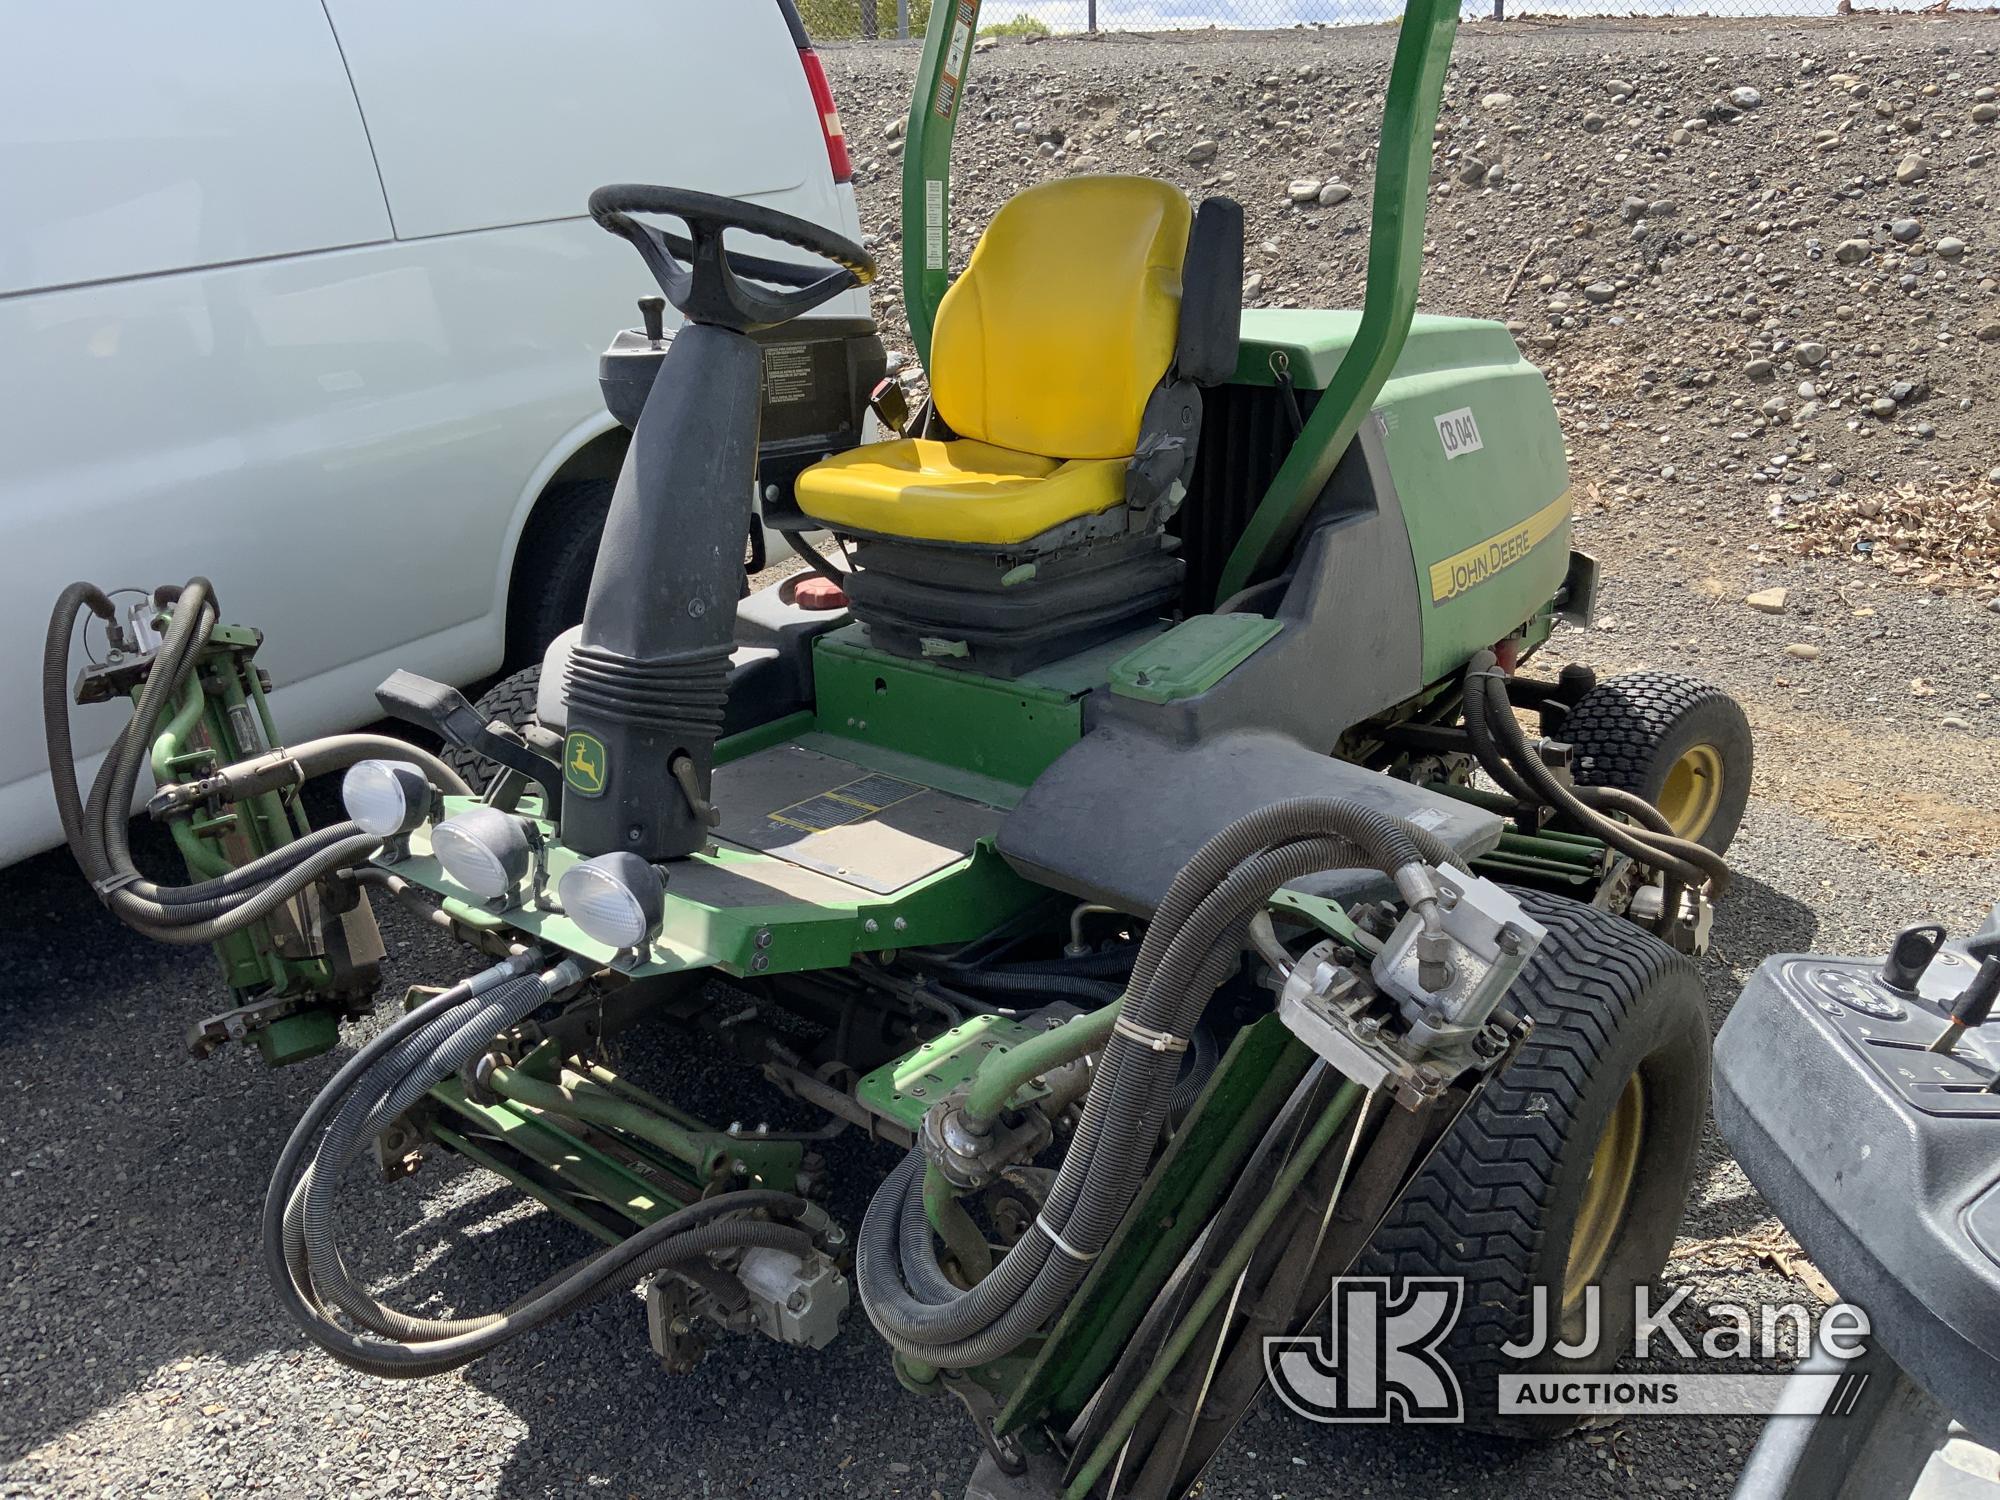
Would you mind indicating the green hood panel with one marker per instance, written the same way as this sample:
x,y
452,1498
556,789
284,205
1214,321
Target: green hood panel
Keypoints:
x,y
1473,444
1315,340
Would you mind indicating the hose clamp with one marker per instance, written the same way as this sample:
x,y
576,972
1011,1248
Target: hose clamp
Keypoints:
x,y
1062,1244
111,885
1147,1037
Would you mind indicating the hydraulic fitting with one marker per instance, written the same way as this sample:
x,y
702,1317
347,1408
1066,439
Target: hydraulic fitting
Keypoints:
x,y
971,1155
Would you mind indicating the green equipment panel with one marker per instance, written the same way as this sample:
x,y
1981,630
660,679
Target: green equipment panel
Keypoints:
x,y
1476,454
864,825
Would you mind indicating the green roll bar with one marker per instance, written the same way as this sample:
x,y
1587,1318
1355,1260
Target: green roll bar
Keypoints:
x,y
927,163
1395,250
1395,264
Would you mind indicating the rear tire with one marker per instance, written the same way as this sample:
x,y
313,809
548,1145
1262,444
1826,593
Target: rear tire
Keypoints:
x,y
1680,743
552,568
1611,1089
511,700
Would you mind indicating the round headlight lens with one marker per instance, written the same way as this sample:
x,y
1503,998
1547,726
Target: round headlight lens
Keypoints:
x,y
617,899
385,797
485,850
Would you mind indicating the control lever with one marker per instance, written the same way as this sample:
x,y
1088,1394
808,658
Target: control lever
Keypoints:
x,y
1910,955
690,785
1972,1007
653,313
444,711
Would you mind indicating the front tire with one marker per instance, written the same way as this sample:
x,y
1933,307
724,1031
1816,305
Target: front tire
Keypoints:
x,y
1680,743
1569,1170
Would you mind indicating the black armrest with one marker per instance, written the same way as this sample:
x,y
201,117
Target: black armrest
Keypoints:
x,y
444,711
1211,294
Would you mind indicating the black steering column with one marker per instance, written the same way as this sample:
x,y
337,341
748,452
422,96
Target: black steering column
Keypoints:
x,y
649,678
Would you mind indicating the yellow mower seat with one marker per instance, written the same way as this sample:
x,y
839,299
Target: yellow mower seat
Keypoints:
x,y
963,491
1043,356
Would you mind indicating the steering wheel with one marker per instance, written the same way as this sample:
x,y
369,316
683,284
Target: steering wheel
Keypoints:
x,y
709,284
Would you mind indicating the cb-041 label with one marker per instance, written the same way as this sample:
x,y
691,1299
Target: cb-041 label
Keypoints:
x,y
1459,432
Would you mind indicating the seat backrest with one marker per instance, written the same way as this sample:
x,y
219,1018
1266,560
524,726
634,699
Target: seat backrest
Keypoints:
x,y
1066,318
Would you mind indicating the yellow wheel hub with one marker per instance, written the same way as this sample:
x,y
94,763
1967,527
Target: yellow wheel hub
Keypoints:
x,y
1693,791
1607,1194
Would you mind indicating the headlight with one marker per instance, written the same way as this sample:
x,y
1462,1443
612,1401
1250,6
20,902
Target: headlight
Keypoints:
x,y
485,850
386,797
617,899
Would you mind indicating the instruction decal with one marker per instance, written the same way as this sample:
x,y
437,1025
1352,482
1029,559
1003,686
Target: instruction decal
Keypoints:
x,y
788,374
933,223
845,804
957,59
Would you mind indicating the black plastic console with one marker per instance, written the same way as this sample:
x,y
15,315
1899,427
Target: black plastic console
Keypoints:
x,y
1881,1155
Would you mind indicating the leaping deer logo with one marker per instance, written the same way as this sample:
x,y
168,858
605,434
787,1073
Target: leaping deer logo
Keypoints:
x,y
585,768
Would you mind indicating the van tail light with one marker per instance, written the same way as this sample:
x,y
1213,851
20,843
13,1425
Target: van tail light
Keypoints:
x,y
829,116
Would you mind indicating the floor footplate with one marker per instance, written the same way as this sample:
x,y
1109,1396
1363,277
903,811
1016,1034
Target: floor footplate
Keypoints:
x,y
871,830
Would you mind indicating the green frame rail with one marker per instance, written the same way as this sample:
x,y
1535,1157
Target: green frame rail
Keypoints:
x,y
934,102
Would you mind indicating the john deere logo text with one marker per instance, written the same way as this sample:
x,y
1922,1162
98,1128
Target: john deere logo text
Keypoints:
x,y
583,764
1483,560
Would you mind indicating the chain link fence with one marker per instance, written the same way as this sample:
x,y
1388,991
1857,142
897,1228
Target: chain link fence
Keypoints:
x,y
839,20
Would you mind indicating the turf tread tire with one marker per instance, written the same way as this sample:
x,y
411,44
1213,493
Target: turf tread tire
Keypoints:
x,y
1628,731
552,567
1495,1203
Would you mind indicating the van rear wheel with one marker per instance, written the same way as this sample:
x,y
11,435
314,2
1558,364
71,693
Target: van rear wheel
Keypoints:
x,y
553,566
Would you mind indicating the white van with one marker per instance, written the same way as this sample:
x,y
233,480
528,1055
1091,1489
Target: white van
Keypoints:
x,y
303,296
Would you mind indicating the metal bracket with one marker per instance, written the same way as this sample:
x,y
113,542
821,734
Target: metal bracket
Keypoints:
x,y
670,1325
984,1409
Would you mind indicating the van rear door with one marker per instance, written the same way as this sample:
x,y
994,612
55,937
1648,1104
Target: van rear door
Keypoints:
x,y
494,112
142,140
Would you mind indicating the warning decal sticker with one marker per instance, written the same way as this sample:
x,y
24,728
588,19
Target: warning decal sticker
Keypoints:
x,y
845,804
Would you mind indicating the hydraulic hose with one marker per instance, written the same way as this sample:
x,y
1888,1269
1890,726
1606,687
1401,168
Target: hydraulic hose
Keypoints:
x,y
369,1091
814,559
1502,739
170,924
194,618
246,876
97,831
1033,1287
1485,748
441,1049
1203,1056
1193,944
336,752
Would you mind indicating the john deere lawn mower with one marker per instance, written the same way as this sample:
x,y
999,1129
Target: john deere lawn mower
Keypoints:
x,y
1137,851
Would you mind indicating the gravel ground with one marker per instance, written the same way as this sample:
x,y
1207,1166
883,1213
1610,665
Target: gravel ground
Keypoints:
x,y
140,1352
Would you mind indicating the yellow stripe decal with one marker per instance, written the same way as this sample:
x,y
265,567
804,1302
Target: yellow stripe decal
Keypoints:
x,y
1483,560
